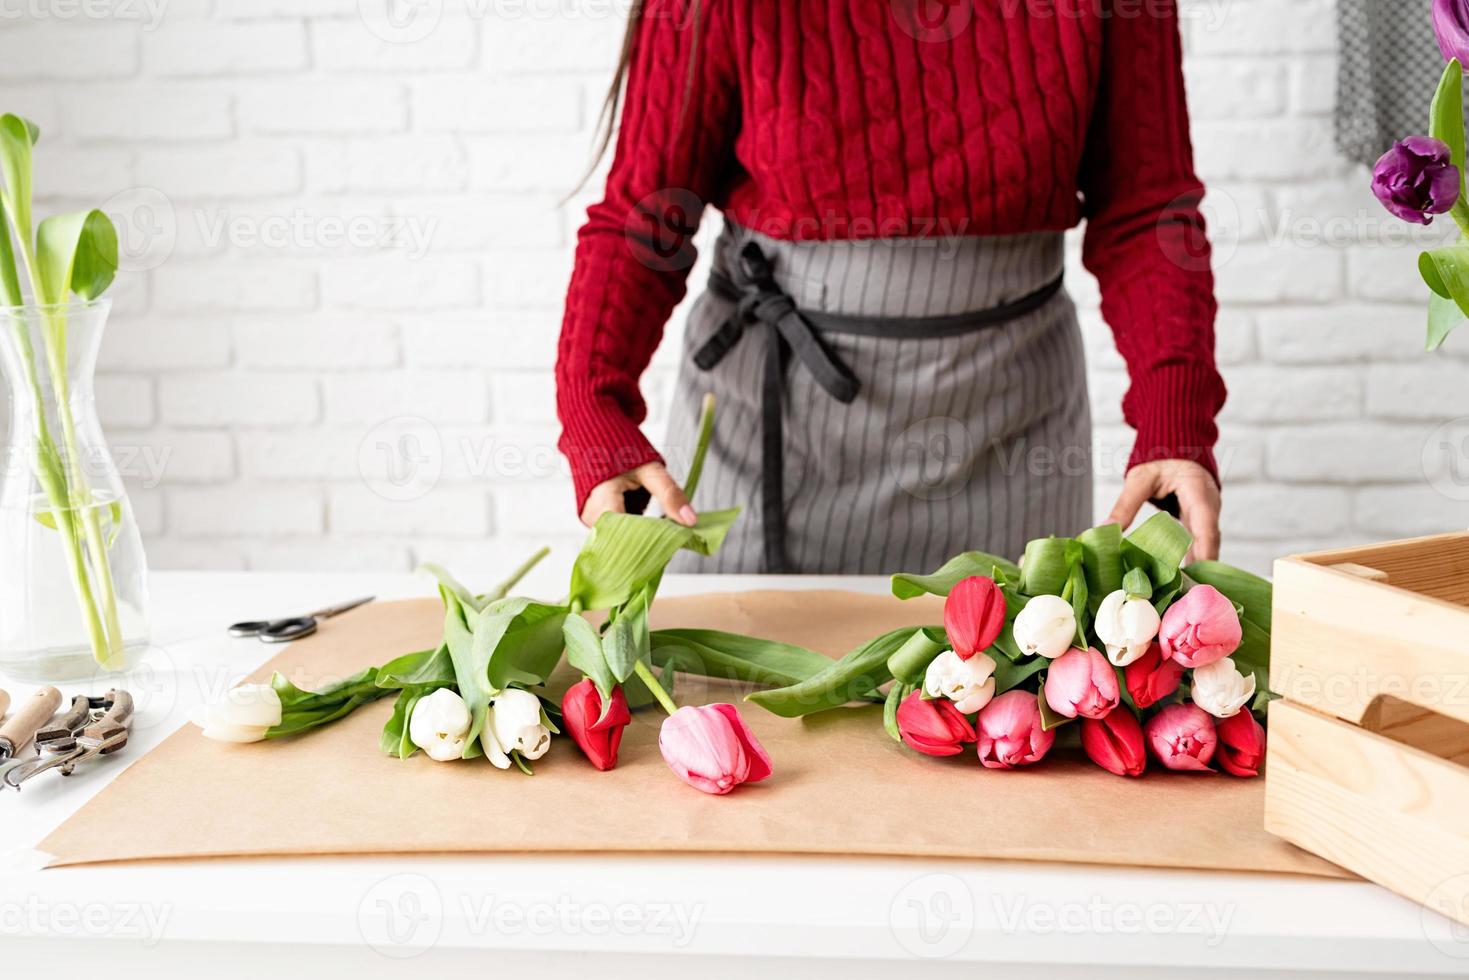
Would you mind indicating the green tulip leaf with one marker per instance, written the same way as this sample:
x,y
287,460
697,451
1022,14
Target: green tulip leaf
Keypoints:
x,y
1157,546
626,640
909,662
1101,557
17,136
856,675
584,652
625,553
895,697
1446,123
731,656
1011,674
907,585
1444,317
1046,567
76,253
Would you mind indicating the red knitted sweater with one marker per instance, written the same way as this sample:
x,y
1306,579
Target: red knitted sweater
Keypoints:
x,y
843,119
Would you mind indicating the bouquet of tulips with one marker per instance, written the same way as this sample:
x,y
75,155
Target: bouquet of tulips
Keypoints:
x,y
1104,630
1422,176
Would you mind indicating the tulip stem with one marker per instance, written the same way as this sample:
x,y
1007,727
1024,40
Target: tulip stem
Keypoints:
x,y
646,674
706,431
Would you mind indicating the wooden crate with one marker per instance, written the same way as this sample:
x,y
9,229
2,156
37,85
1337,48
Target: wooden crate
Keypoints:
x,y
1368,749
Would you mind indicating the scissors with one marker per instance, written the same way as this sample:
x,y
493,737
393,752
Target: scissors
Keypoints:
x,y
64,748
286,630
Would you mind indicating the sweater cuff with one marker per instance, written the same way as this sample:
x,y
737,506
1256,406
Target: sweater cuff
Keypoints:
x,y
601,442
1173,411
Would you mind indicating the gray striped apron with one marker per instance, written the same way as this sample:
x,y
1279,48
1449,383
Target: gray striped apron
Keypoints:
x,y
884,405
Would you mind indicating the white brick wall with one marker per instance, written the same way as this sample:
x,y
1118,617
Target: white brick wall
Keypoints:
x,y
330,234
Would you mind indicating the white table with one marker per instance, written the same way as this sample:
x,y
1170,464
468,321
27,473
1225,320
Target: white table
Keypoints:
x,y
660,916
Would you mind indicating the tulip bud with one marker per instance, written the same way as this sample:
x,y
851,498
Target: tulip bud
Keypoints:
x,y
974,614
933,727
1115,743
1182,737
1416,179
1241,744
1451,27
514,725
439,724
244,714
1220,689
1152,677
968,683
1082,682
712,749
1010,733
598,735
1126,626
1046,626
1200,628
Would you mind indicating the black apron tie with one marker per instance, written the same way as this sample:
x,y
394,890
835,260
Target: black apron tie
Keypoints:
x,y
761,303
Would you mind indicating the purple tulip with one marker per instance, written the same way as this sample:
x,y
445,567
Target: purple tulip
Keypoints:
x,y
1415,179
1451,24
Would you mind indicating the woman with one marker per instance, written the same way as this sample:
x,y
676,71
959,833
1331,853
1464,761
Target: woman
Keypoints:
x,y
899,372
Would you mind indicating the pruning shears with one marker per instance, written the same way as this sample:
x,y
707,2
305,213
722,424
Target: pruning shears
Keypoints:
x,y
91,727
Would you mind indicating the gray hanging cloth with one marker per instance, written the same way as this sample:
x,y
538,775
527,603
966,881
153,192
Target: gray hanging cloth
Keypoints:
x,y
1390,64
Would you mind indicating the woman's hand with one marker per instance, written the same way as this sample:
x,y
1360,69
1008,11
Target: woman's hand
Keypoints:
x,y
606,497
1198,500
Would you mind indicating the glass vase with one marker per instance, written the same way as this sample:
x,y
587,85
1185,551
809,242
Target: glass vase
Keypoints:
x,y
73,577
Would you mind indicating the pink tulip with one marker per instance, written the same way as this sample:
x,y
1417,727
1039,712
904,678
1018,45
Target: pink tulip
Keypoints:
x,y
1200,628
1152,677
1182,737
711,749
974,614
1115,743
1241,744
1082,682
1010,732
933,727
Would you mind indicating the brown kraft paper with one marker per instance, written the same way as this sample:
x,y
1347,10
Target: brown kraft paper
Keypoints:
x,y
841,786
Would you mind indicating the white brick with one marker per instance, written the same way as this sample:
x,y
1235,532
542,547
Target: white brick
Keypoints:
x,y
371,398
305,344
485,340
1418,391
124,401
258,286
148,111
555,162
224,49
1256,27
528,279
398,282
404,164
1262,512
513,453
172,456
300,454
313,107
340,557
164,344
219,512
1386,275
1274,274
1299,150
525,397
349,45
239,399
1347,453
359,511
1313,84
1341,334
216,556
532,36
147,505
473,103
49,51
239,170
537,508
62,171
1234,338
1234,89
1240,454
1305,394
1408,511
466,223
266,9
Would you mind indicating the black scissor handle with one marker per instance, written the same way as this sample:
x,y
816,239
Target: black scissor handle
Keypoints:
x,y
285,630
249,627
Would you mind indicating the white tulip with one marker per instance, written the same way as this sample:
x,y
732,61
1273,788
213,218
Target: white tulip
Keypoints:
x,y
1222,690
514,724
1046,626
970,684
1127,626
439,724
244,714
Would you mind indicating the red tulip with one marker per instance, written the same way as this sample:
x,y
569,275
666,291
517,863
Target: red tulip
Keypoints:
x,y
1115,743
1200,628
598,735
1010,732
933,727
712,749
1182,737
1151,677
974,614
1082,682
1241,744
